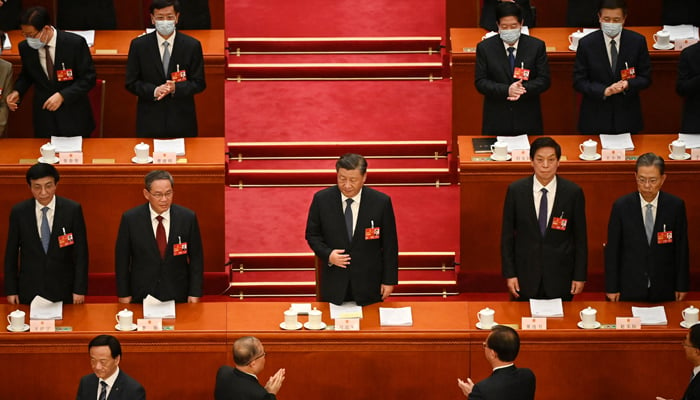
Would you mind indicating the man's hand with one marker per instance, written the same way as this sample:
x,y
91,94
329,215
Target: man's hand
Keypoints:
x,y
515,90
13,299
577,287
192,299
12,100
661,398
617,87
53,102
386,290
339,258
274,384
78,298
465,386
164,90
513,287
613,296
125,299
680,296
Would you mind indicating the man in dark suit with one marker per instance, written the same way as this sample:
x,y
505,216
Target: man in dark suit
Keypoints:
x,y
47,251
159,248
511,72
488,18
611,67
688,86
691,345
352,230
646,257
108,382
544,249
165,69
59,66
507,381
241,382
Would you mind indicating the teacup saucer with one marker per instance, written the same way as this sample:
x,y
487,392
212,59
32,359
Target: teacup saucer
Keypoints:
x,y
667,47
45,161
687,325
284,326
572,47
685,157
478,325
133,328
307,325
136,160
494,158
597,156
24,328
596,325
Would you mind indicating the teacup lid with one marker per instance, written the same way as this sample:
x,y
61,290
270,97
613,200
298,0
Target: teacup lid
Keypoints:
x,y
690,308
142,145
48,145
590,141
589,310
17,313
678,142
125,311
486,311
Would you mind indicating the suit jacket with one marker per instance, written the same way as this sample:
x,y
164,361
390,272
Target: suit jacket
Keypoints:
x,y
582,13
679,12
9,15
74,117
621,112
688,85
174,115
124,388
509,383
488,14
138,265
55,275
553,260
5,89
374,262
493,76
693,390
232,384
631,263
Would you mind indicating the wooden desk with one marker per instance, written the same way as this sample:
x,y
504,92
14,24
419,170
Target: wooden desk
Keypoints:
x,y
484,184
560,104
107,190
109,55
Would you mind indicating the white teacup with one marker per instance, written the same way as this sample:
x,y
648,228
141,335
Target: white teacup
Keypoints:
x,y
690,315
125,319
677,148
485,317
589,148
141,150
662,39
48,152
16,320
290,319
499,150
588,317
574,38
315,319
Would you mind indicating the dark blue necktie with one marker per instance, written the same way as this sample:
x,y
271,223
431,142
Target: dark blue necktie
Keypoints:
x,y
511,58
45,230
543,211
103,390
348,218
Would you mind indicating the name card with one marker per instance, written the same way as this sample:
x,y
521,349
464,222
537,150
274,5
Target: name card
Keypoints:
x,y
160,157
42,325
104,161
695,154
149,324
534,324
106,51
520,155
613,154
627,323
683,43
73,158
347,324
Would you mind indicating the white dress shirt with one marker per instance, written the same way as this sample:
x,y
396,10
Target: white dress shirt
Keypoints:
x,y
166,222
49,213
355,207
537,195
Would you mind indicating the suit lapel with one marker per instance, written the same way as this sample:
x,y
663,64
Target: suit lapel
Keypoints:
x,y
528,195
602,50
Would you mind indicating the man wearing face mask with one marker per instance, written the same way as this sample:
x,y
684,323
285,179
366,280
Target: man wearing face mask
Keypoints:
x,y
511,72
165,69
59,66
612,66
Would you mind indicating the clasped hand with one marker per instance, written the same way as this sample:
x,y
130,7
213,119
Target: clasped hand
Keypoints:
x,y
515,90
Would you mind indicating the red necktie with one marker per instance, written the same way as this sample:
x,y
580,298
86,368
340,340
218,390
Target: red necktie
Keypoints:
x,y
49,63
160,237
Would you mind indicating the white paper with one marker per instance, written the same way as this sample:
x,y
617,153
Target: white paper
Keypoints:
x,y
349,309
301,308
520,142
524,30
154,308
681,31
488,35
620,141
692,141
89,36
67,144
546,308
650,315
7,45
176,146
401,316
586,31
41,308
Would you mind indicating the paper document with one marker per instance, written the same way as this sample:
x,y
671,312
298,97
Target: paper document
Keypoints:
x,y
154,308
301,308
515,142
401,316
89,36
346,310
620,141
650,315
586,31
7,45
176,146
41,308
67,144
691,141
546,308
681,31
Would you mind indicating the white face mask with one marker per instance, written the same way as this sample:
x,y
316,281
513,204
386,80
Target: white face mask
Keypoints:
x,y
165,28
611,29
509,36
35,43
